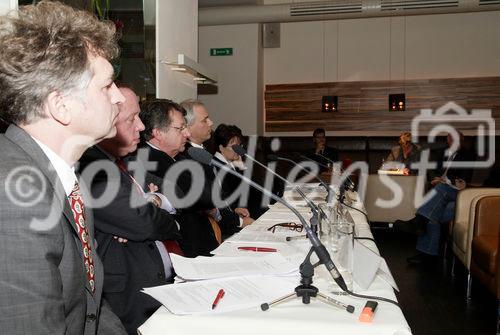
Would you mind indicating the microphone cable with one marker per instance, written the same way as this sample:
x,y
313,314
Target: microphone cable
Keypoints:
x,y
362,296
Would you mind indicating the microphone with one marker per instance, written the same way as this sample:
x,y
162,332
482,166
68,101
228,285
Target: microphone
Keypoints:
x,y
348,179
318,211
312,160
206,158
326,186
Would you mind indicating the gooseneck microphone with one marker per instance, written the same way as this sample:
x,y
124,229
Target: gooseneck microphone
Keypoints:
x,y
326,186
206,158
347,178
319,212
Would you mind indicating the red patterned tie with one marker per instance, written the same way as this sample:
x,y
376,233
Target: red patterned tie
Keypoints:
x,y
77,207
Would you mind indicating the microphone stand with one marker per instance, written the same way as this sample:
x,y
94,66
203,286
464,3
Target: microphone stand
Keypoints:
x,y
306,290
330,193
314,220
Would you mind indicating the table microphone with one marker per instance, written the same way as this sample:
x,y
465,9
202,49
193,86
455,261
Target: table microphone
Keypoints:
x,y
351,183
242,152
326,186
204,157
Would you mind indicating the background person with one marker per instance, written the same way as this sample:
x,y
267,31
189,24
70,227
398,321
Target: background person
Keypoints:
x,y
405,152
441,207
322,153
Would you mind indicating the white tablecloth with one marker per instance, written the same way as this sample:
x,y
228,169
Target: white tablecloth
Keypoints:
x,y
293,317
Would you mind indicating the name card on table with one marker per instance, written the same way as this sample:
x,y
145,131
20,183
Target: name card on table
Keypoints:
x,y
367,265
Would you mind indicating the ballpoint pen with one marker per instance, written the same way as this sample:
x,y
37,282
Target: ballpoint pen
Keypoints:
x,y
257,249
218,298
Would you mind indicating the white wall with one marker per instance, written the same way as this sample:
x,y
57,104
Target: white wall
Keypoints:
x,y
6,5
413,47
239,97
416,47
176,32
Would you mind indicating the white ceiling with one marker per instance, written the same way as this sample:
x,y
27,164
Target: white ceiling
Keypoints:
x,y
215,3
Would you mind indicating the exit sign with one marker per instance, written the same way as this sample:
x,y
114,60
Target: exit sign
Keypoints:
x,y
221,51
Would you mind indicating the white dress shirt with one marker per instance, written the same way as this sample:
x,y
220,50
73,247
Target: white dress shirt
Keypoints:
x,y
65,172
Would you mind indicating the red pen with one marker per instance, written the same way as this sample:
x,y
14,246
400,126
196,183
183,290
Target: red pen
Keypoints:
x,y
218,298
257,249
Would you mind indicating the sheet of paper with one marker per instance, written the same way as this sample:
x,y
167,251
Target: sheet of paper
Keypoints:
x,y
216,267
240,293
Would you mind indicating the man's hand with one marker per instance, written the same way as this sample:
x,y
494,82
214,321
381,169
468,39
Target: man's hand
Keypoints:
x,y
120,239
242,212
247,221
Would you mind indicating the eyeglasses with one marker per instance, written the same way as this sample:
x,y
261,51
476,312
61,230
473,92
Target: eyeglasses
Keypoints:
x,y
290,225
181,128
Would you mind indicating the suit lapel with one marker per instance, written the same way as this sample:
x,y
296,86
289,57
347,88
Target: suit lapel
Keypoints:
x,y
42,163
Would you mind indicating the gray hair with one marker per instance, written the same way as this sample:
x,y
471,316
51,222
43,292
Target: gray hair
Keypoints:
x,y
188,106
46,48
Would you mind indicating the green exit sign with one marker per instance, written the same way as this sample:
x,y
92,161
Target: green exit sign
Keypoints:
x,y
221,51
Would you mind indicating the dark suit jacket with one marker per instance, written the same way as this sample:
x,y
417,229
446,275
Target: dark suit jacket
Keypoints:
x,y
229,222
132,266
43,284
198,237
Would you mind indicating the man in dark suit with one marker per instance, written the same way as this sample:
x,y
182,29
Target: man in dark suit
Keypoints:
x,y
58,101
131,228
200,129
322,154
164,137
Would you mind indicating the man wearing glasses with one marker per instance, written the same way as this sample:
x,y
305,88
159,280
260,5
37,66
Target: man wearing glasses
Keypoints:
x,y
164,137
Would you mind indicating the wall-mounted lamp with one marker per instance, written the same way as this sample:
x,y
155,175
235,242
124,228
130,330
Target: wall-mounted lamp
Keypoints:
x,y
397,102
329,103
185,64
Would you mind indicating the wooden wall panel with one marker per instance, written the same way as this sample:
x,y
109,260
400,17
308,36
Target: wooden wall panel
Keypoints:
x,y
363,106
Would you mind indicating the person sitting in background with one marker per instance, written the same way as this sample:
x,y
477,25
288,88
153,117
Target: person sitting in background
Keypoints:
x,y
440,208
224,138
322,154
405,152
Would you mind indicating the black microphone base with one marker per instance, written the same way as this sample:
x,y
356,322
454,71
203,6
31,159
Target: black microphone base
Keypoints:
x,y
306,290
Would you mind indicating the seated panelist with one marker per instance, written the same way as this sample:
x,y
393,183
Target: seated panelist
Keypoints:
x,y
163,139
224,138
134,229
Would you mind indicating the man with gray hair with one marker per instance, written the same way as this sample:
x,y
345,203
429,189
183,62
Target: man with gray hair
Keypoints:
x,y
200,128
59,98
163,139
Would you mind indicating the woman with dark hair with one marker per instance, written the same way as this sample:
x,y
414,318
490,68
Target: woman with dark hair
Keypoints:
x,y
225,136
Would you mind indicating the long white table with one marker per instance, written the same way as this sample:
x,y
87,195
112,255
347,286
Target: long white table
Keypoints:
x,y
293,317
